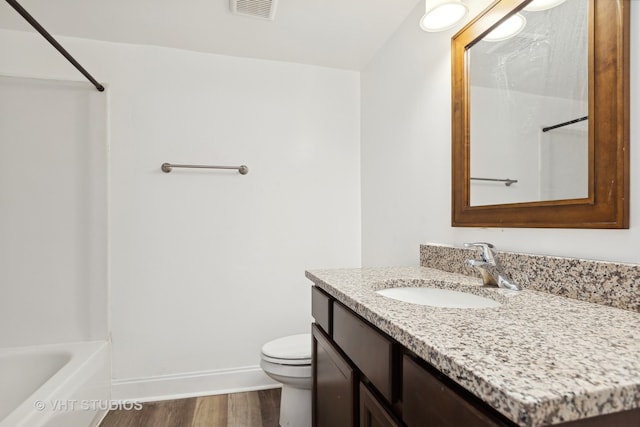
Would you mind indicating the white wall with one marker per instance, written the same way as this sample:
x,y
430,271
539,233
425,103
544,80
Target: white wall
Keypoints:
x,y
53,212
406,159
206,266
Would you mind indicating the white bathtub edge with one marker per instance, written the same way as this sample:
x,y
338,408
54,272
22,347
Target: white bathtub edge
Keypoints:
x,y
86,371
191,384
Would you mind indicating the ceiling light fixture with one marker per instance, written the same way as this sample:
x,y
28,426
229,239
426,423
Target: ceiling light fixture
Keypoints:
x,y
539,5
442,15
507,29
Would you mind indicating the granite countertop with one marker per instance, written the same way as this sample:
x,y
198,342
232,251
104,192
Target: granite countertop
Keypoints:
x,y
538,359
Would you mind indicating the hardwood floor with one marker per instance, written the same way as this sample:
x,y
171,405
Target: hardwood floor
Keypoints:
x,y
250,409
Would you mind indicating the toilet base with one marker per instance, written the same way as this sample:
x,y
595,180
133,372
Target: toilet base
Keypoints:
x,y
295,407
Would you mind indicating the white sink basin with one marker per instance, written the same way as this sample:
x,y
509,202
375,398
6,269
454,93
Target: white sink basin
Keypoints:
x,y
436,297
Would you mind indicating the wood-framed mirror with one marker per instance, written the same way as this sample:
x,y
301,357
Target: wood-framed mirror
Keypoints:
x,y
534,145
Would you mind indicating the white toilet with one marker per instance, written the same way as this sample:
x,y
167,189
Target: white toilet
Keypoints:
x,y
288,361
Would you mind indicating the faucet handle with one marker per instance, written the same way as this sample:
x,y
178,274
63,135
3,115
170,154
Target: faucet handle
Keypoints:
x,y
487,250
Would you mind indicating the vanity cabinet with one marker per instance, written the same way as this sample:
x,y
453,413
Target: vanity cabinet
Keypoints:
x,y
362,377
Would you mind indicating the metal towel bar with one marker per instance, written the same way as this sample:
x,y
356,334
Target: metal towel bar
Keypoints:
x,y
168,167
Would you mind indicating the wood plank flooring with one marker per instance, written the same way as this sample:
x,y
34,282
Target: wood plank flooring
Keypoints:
x,y
250,409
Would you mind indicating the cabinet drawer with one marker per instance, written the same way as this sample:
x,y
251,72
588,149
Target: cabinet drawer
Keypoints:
x,y
320,308
428,401
368,349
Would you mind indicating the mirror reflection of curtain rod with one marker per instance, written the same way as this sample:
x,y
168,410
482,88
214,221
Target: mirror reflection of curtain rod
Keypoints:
x,y
39,28
507,181
570,122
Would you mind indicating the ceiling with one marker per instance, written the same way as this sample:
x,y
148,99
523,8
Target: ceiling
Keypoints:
x,y
332,33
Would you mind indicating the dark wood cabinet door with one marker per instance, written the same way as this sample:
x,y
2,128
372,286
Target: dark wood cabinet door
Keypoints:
x,y
372,413
334,385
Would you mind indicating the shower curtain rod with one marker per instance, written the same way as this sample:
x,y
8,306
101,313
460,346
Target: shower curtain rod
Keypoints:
x,y
35,24
570,122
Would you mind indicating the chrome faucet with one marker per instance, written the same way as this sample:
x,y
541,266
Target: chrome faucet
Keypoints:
x,y
490,269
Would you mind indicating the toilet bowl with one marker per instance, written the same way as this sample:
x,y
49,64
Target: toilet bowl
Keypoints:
x,y
288,361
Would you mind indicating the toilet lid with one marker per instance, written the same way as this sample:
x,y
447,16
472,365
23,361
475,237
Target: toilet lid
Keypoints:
x,y
293,347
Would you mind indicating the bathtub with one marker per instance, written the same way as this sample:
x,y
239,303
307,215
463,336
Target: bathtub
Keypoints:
x,y
59,385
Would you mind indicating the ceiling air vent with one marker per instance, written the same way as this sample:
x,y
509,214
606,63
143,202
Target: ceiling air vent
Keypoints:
x,y
264,9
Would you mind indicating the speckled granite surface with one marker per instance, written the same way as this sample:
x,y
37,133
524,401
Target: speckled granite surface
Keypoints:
x,y
538,359
610,283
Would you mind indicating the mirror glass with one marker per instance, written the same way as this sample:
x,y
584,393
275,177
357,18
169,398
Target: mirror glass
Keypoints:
x,y
529,104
